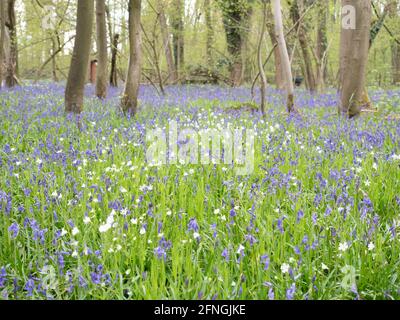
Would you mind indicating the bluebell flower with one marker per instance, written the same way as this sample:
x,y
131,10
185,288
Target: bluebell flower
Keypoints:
x,y
193,226
225,254
291,292
3,277
14,230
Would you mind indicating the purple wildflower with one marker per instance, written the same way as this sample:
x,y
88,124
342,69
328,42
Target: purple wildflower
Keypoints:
x,y
14,230
290,292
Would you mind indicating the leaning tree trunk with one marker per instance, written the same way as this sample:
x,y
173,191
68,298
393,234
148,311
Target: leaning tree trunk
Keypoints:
x,y
129,100
2,38
172,74
80,58
354,44
12,63
102,61
279,77
286,68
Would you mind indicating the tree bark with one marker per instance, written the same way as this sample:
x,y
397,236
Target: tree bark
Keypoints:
x,y
235,14
53,58
354,44
114,53
129,100
80,58
12,63
263,78
178,35
114,39
286,68
279,78
102,61
395,47
2,38
295,11
210,33
322,45
172,73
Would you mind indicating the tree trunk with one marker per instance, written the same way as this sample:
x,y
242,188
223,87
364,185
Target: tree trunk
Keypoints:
x,y
295,11
12,63
395,47
354,44
129,100
114,39
234,16
2,38
396,63
53,58
114,52
172,73
286,68
210,33
102,61
80,58
178,35
279,77
322,45
263,78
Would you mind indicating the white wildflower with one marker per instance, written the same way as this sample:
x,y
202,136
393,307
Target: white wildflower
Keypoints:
x,y
343,246
86,220
75,231
123,190
285,268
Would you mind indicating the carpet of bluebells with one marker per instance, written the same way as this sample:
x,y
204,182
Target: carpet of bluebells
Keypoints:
x,y
83,216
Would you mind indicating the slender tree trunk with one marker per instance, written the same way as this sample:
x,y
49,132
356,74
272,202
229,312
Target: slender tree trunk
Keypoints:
x,y
102,61
263,78
210,33
322,45
354,44
295,10
286,68
396,63
172,73
129,100
2,38
114,53
279,78
80,58
114,39
53,58
178,35
12,64
394,14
